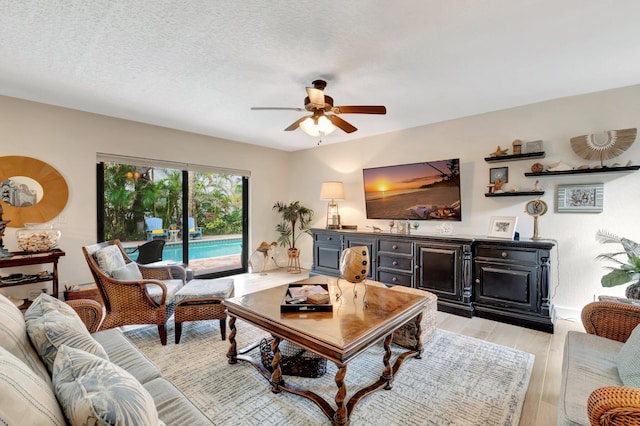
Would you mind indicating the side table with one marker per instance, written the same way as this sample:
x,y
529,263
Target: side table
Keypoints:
x,y
24,259
173,234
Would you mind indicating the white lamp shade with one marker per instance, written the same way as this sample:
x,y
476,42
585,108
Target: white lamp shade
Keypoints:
x,y
332,191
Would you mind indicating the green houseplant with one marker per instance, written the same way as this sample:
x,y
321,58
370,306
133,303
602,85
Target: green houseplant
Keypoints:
x,y
627,269
296,220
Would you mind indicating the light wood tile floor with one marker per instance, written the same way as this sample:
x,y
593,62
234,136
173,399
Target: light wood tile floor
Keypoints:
x,y
540,405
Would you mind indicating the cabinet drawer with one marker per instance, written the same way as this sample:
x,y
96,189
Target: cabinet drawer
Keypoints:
x,y
508,254
396,279
391,246
402,263
327,238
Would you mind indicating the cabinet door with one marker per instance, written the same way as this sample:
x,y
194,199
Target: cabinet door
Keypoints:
x,y
506,285
439,269
327,248
370,243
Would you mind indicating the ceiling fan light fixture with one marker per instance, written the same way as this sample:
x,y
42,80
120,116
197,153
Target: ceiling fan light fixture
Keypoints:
x,y
322,126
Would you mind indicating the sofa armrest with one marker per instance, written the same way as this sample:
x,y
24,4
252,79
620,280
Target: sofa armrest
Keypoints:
x,y
90,312
614,405
612,320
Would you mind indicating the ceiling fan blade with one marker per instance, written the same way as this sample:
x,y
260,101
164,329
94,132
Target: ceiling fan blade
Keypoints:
x,y
362,109
296,124
316,97
339,122
276,108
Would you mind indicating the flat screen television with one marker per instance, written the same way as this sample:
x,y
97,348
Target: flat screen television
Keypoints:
x,y
417,191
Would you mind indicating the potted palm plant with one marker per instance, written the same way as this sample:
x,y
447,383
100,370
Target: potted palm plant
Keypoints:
x,y
296,220
626,270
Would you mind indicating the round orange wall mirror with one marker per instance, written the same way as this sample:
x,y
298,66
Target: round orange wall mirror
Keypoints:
x,y
32,191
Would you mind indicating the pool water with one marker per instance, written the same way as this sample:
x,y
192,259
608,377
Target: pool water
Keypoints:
x,y
203,249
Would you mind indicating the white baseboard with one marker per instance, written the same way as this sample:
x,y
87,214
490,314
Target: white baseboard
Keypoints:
x,y
566,313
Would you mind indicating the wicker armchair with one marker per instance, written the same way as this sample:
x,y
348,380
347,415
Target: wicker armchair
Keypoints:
x,y
612,405
90,312
130,302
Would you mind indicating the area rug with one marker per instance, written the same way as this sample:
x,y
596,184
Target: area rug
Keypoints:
x,y
459,381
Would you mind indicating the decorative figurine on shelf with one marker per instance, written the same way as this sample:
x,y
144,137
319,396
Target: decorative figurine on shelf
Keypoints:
x,y
537,168
517,146
497,186
536,187
499,152
3,225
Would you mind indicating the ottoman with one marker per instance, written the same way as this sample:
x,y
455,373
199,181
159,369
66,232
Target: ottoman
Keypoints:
x,y
202,300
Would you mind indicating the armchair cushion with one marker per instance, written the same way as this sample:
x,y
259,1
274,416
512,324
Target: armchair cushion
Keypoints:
x,y
172,288
26,398
52,323
93,390
628,360
109,258
128,272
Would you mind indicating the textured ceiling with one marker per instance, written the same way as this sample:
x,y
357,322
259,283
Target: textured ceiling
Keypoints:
x,y
201,65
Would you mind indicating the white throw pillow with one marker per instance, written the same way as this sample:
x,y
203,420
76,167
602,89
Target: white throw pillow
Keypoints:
x,y
26,398
109,258
52,323
128,272
628,360
92,391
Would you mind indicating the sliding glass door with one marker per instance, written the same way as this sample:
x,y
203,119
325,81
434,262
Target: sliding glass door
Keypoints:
x,y
199,213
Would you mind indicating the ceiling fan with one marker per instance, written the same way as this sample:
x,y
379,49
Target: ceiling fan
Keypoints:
x,y
323,118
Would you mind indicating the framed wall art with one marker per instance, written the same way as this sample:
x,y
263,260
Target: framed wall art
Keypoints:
x,y
499,173
580,198
533,146
503,227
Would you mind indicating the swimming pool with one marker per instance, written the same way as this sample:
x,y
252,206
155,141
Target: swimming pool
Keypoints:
x,y
203,249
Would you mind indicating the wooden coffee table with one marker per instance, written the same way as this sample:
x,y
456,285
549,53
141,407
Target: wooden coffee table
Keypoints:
x,y
338,336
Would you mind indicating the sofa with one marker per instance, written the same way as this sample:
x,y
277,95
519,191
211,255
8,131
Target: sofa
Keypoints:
x,y
54,371
600,382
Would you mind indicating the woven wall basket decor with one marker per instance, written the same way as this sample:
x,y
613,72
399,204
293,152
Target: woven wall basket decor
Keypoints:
x,y
605,145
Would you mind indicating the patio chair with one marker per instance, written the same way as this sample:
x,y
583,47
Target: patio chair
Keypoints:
x,y
133,293
149,252
194,232
155,229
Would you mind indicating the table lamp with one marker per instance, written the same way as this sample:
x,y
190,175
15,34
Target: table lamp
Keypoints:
x,y
332,191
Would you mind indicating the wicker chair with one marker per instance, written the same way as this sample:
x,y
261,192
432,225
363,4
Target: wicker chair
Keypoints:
x,y
612,405
132,302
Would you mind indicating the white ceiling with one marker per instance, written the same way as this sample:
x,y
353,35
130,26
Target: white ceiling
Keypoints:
x,y
200,65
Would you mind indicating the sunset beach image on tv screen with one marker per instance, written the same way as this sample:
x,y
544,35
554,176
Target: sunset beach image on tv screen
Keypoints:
x,y
418,191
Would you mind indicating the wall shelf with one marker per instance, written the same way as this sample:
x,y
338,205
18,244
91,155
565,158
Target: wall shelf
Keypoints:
x,y
514,193
586,171
515,157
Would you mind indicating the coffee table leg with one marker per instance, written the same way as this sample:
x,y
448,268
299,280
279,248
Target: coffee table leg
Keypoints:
x,y
387,376
232,354
276,376
341,416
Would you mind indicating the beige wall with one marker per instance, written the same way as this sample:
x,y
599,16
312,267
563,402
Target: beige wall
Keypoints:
x,y
577,279
69,140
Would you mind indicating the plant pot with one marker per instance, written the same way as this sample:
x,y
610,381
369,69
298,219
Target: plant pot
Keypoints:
x,y
633,291
294,261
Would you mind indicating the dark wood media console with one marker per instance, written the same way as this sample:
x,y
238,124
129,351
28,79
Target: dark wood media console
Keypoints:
x,y
504,280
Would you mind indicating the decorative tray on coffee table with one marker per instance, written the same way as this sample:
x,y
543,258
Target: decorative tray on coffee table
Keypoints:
x,y
296,298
